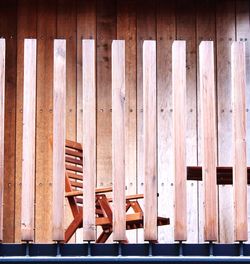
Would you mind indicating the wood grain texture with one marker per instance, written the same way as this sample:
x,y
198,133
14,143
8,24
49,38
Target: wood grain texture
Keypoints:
x,y
26,28
225,34
126,29
89,138
46,32
59,130
243,34
166,33
118,140
145,31
29,135
179,137
238,75
2,115
205,30
149,140
8,20
185,24
209,139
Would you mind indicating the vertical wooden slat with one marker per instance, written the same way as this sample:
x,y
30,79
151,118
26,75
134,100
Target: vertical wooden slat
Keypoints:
x,y
2,115
179,135
238,74
209,144
89,138
59,105
149,140
118,139
29,130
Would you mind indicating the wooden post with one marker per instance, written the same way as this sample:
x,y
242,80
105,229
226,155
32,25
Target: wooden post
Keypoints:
x,y
179,135
209,135
2,115
149,140
29,135
238,73
59,106
89,138
118,139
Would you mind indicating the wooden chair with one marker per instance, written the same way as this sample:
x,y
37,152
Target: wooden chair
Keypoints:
x,y
74,192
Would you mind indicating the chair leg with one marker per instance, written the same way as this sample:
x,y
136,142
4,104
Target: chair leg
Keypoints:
x,y
104,236
75,224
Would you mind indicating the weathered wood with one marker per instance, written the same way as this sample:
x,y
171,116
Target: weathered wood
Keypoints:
x,y
149,140
26,27
179,137
126,29
118,140
146,25
238,75
2,115
205,30
185,24
209,146
225,33
29,135
166,32
89,139
59,123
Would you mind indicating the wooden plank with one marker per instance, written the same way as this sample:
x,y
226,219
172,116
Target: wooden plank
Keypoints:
x,y
2,115
145,31
118,140
26,28
89,139
46,32
149,140
209,144
185,25
126,29
59,122
106,32
8,21
243,34
205,30
179,137
225,33
29,135
238,75
166,33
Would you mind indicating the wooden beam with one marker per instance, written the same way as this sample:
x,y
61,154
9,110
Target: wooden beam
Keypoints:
x,y
89,138
149,140
29,135
118,139
208,138
59,106
179,135
2,115
238,74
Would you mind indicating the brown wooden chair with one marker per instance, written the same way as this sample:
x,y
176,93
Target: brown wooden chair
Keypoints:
x,y
74,192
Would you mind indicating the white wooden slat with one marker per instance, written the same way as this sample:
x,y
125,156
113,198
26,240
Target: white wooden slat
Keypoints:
x,y
150,140
238,74
118,140
2,115
179,137
208,138
59,106
89,138
29,130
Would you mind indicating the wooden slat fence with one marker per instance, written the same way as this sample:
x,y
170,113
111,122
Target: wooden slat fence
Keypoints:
x,y
88,158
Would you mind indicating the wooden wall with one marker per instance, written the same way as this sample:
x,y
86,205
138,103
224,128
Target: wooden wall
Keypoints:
x,y
133,20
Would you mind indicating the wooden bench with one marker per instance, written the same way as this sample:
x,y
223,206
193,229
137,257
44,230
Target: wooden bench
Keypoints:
x,y
74,192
